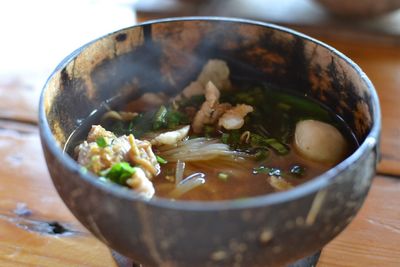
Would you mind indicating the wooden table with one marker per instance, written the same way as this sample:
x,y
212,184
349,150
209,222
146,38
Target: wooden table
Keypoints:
x,y
36,229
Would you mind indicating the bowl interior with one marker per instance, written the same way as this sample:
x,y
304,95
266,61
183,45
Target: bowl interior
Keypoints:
x,y
167,55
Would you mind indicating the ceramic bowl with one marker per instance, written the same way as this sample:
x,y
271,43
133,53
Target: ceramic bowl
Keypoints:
x,y
165,55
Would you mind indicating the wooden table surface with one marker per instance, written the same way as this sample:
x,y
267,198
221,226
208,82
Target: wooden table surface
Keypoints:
x,y
36,229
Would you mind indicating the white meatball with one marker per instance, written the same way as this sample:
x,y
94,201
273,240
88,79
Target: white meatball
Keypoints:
x,y
320,141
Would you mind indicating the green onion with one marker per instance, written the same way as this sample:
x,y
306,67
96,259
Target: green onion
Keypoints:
x,y
101,141
139,125
234,138
119,173
161,160
251,97
173,119
261,154
160,118
208,130
223,176
225,138
258,140
276,145
231,138
176,118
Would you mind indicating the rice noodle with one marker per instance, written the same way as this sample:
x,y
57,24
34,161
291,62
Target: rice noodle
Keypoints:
x,y
189,183
180,168
195,175
199,149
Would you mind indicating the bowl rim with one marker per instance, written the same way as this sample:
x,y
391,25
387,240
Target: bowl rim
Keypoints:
x,y
316,184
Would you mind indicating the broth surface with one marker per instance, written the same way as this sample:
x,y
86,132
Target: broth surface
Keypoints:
x,y
276,113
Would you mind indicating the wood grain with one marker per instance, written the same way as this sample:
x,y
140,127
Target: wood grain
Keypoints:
x,y
29,202
373,238
19,99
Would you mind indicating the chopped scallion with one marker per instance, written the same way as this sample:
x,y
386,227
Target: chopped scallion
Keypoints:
x,y
119,173
161,160
101,141
208,130
261,154
225,138
277,146
160,118
258,140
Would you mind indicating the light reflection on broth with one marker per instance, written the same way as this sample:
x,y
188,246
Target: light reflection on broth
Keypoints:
x,y
241,182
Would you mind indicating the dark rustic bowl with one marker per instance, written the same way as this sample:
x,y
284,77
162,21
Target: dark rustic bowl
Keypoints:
x,y
165,55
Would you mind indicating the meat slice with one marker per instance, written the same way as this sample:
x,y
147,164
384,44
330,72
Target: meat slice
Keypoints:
x,y
96,158
117,149
171,137
141,184
98,131
234,118
205,114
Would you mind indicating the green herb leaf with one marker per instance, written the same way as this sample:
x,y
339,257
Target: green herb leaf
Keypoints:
x,y
258,140
277,146
119,173
261,154
161,160
176,118
253,96
101,141
209,130
225,138
160,118
232,138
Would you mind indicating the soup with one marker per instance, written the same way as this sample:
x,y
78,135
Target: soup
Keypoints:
x,y
220,138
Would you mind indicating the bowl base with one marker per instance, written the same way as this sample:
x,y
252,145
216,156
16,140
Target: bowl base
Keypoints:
x,y
309,261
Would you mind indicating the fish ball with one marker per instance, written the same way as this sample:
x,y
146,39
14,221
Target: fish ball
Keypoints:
x,y
320,141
